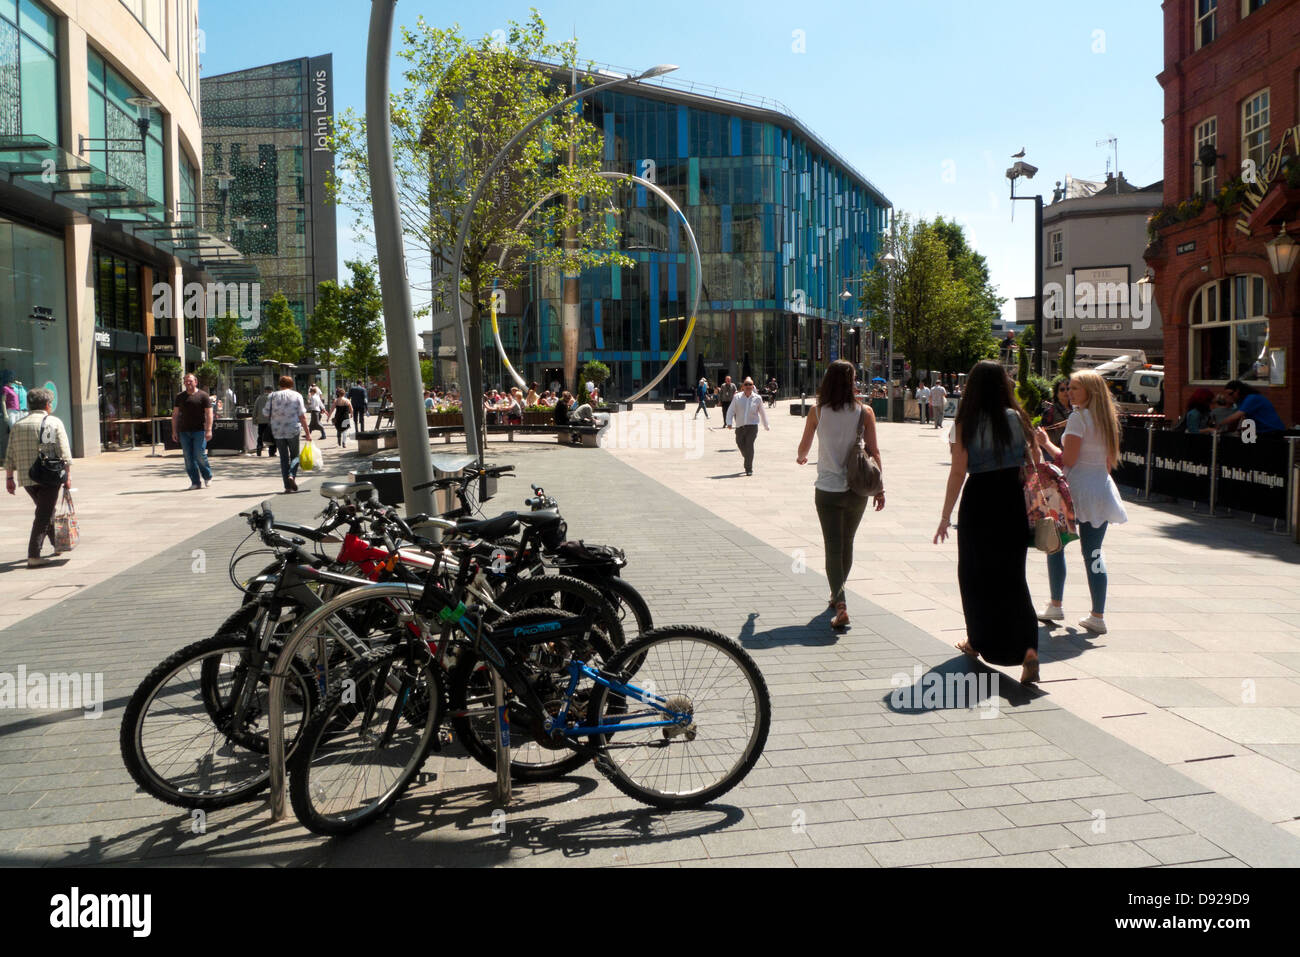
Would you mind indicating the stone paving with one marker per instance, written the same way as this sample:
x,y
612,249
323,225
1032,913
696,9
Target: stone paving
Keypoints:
x,y
847,778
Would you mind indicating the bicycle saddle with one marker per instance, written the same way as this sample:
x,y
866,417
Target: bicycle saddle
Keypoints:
x,y
541,518
338,490
491,528
446,462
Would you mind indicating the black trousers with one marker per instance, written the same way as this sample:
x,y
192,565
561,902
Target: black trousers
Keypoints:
x,y
264,438
315,425
46,499
359,418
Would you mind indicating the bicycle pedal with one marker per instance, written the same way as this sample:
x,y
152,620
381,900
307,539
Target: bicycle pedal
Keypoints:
x,y
604,765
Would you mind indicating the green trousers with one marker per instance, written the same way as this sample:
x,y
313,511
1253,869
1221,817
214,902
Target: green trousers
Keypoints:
x,y
840,513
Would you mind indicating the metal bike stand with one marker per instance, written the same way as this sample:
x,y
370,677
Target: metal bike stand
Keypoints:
x,y
503,738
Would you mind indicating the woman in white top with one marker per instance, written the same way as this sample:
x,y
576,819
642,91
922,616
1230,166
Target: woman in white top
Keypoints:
x,y
1089,451
836,421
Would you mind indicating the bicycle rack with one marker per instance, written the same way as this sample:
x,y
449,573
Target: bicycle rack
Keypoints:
x,y
503,738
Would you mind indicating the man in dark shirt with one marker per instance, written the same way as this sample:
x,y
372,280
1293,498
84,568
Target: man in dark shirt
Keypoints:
x,y
192,429
357,396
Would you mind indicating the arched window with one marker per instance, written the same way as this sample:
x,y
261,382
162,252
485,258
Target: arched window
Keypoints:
x,y
1228,322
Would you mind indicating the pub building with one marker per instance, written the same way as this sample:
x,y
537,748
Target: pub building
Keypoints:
x,y
1223,250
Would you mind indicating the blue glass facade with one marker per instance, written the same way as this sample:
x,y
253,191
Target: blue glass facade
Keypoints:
x,y
780,226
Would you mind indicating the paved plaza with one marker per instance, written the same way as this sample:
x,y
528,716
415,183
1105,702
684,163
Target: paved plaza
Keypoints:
x,y
1174,740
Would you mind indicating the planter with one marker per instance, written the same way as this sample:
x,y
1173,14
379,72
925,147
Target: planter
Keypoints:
x,y
443,418
539,418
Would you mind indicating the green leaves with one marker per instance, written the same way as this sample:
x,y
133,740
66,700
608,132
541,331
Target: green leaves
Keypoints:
x,y
281,336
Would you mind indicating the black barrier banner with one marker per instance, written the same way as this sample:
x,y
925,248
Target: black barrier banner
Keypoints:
x,y
1132,470
1252,475
1181,465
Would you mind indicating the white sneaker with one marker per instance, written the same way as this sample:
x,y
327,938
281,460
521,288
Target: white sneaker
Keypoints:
x,y
1052,613
1093,624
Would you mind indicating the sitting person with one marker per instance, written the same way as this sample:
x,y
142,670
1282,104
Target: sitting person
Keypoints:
x,y
1251,405
515,407
532,397
562,409
1197,418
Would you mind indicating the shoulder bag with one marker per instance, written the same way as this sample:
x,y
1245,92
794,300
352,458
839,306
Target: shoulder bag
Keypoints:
x,y
66,531
863,471
47,471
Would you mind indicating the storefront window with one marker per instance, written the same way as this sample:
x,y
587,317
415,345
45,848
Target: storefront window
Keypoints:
x,y
119,302
1229,330
113,118
29,86
34,317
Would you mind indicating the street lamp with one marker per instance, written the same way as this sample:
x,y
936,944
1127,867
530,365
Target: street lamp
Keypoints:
x,y
473,445
1282,252
890,262
1025,170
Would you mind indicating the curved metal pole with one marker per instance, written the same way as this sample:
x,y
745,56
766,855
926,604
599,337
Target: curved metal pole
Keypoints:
x,y
699,277
468,403
399,326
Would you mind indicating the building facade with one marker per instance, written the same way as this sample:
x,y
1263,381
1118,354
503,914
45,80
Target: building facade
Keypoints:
x,y
784,228
1232,180
100,162
1094,235
267,157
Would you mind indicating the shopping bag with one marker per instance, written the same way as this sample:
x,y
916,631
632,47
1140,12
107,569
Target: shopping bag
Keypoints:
x,y
66,531
310,459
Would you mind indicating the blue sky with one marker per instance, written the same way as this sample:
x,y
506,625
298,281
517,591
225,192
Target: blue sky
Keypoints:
x,y
927,98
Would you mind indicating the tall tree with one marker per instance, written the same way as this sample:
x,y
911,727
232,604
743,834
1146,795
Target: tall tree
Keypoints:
x,y
281,336
232,342
462,102
360,308
325,325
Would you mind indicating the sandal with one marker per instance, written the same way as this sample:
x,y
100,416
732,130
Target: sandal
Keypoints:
x,y
965,648
1029,671
841,618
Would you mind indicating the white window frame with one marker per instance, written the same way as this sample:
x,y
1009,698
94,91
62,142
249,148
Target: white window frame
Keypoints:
x,y
1245,8
1256,123
1206,132
1056,244
1198,20
1255,312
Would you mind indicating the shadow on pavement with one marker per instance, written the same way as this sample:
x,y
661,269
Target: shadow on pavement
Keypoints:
x,y
960,683
816,632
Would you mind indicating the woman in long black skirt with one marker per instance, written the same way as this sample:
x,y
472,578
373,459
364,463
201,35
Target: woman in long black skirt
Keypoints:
x,y
989,440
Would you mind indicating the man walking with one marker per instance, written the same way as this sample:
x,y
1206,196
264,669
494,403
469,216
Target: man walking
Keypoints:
x,y
938,396
726,392
288,411
192,428
28,436
357,396
745,413
315,405
702,393
262,416
923,402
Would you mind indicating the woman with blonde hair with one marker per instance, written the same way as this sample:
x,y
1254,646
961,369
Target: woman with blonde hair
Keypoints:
x,y
1089,451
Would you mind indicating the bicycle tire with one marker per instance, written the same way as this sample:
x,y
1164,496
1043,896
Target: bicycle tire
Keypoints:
x,y
730,716
573,594
469,683
211,769
334,739
627,602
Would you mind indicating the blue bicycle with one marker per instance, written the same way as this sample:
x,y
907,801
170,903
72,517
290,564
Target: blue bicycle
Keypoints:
x,y
674,719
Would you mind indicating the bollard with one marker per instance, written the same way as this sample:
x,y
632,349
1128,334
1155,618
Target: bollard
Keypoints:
x,y
1151,448
803,399
1214,472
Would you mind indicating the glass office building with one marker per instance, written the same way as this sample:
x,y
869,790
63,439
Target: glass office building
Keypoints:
x,y
266,157
781,222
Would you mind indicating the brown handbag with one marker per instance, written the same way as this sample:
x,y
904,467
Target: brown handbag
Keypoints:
x,y
863,471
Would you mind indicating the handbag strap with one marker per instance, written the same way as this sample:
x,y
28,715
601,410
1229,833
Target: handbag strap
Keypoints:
x,y
67,500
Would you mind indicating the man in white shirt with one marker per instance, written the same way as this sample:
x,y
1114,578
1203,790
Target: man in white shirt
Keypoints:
x,y
938,396
923,400
745,412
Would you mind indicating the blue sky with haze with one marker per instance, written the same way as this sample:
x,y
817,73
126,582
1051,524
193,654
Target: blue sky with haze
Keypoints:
x,y
927,98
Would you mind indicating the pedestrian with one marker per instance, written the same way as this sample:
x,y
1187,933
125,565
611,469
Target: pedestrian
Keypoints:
x,y
744,413
702,393
772,389
192,429
357,399
315,405
1088,452
938,396
287,413
988,450
838,420
726,393
37,432
1253,406
342,413
923,402
262,416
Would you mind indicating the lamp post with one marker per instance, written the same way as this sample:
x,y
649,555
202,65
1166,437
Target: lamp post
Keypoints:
x,y
890,262
1027,171
469,409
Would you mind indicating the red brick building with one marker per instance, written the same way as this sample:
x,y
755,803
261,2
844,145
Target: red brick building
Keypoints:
x,y
1232,178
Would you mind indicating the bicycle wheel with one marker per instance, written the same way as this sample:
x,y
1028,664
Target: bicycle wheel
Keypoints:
x,y
563,593
365,743
533,757
714,684
183,748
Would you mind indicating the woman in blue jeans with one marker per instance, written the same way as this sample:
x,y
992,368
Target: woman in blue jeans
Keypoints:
x,y
1089,450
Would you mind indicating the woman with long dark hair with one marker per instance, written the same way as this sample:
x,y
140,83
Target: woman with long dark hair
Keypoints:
x,y
989,443
837,420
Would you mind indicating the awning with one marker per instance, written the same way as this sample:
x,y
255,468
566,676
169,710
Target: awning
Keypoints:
x,y
39,167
